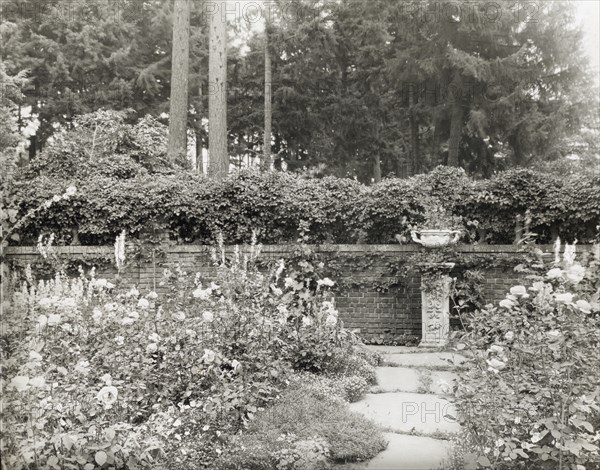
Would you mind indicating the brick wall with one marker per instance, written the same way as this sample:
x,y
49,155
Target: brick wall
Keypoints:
x,y
394,311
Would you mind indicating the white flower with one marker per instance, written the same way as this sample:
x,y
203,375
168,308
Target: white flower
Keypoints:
x,y
554,273
152,295
53,319
331,320
207,316
564,298
119,340
179,316
42,321
143,303
133,314
154,337
97,314
100,282
45,302
71,190
38,382
133,292
325,282
497,349
107,396
509,336
127,321
518,291
209,356
495,365
276,290
20,383
110,307
306,321
83,367
35,356
202,294
584,306
109,285
236,365
106,378
120,250
576,273
506,303
56,198
570,253
151,348
554,334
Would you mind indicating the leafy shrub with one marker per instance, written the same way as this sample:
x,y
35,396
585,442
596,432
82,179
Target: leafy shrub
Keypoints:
x,y
194,208
530,397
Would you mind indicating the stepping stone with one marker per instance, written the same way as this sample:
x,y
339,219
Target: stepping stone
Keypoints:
x,y
404,379
409,412
425,359
411,453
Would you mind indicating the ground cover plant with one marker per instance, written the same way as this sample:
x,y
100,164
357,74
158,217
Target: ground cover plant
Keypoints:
x,y
100,375
530,397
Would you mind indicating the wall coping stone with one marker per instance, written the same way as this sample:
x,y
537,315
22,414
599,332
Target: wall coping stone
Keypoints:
x,y
284,249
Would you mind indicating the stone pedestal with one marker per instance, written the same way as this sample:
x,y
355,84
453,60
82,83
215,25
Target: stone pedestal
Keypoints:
x,y
435,310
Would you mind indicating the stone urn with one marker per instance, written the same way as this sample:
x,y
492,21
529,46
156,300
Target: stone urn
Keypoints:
x,y
435,238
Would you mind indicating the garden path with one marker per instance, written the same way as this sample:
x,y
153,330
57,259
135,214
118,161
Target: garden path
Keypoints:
x,y
410,402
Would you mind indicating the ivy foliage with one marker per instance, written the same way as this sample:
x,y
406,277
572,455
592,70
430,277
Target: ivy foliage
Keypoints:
x,y
126,195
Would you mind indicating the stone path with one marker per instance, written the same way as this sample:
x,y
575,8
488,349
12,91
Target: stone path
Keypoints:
x,y
410,402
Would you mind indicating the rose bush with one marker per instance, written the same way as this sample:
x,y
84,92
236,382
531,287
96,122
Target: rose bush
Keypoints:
x,y
530,397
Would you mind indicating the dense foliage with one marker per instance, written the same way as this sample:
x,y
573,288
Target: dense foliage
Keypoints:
x,y
117,193
97,375
529,398
362,88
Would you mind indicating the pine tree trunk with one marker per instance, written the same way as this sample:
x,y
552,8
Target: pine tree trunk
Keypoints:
x,y
376,169
415,152
267,158
177,149
217,98
456,125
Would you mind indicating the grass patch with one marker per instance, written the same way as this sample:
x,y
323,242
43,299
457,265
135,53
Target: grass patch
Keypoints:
x,y
304,431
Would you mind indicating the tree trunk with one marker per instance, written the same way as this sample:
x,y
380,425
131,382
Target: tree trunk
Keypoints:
x,y
415,152
177,149
456,125
376,169
217,97
267,158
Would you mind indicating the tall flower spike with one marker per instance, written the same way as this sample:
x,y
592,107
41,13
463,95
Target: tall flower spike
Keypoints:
x,y
569,254
120,251
557,251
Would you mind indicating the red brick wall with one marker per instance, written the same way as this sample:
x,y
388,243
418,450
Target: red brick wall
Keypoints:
x,y
391,312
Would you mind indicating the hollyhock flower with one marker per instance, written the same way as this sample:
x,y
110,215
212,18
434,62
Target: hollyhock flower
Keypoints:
x,y
106,378
207,316
202,294
133,292
120,340
151,348
331,320
506,303
107,396
509,336
306,321
152,295
71,190
143,303
236,365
